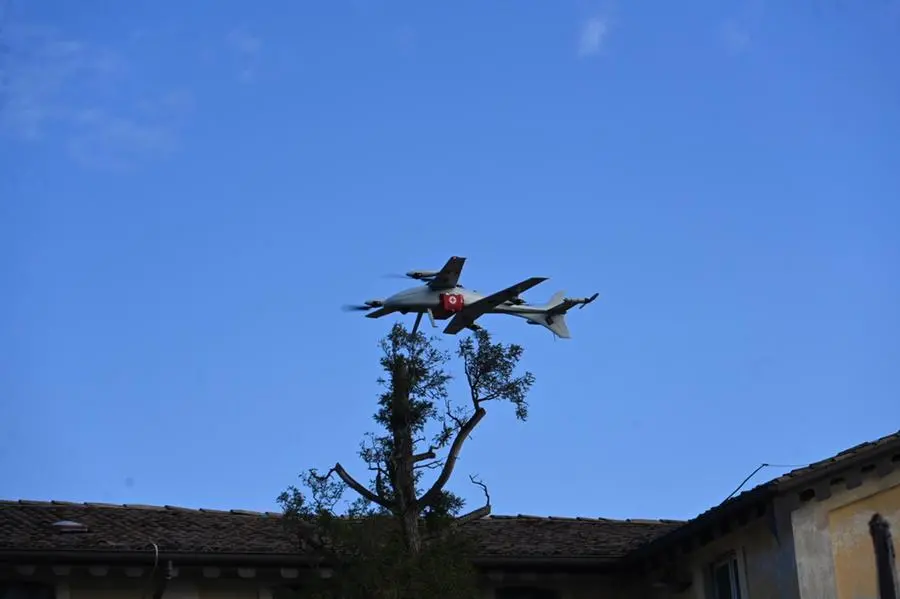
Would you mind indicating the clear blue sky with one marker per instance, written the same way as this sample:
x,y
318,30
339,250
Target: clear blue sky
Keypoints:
x,y
189,195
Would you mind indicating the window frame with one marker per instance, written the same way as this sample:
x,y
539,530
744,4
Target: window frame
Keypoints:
x,y
733,560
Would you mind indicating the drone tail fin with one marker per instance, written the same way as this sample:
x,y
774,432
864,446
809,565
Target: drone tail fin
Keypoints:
x,y
555,321
555,300
558,326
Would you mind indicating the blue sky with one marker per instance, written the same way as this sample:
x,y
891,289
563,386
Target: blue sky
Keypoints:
x,y
189,196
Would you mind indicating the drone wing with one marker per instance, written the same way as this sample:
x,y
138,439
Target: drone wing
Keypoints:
x,y
448,276
470,313
379,312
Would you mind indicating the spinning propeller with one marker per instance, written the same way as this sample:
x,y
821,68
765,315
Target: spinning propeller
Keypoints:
x,y
355,308
587,300
419,275
362,307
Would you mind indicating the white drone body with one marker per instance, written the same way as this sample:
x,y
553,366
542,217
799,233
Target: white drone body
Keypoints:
x,y
442,298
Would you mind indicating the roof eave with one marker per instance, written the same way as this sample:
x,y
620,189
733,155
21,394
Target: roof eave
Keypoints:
x,y
273,560
762,494
145,557
742,503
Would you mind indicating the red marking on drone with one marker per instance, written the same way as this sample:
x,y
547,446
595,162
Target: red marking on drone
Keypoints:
x,y
452,302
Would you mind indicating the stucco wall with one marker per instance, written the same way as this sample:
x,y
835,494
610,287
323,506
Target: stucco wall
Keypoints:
x,y
765,566
854,572
835,558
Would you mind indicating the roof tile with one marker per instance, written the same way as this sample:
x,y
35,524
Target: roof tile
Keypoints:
x,y
26,525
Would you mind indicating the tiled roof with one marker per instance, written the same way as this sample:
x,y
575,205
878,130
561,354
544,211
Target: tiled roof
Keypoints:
x,y
862,451
28,526
530,536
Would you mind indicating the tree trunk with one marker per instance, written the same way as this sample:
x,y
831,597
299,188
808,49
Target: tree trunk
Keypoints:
x,y
404,480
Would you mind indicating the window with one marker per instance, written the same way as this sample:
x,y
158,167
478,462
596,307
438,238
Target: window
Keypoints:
x,y
525,593
726,582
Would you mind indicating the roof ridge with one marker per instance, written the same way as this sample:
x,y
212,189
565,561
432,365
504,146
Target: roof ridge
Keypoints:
x,y
585,519
259,514
851,452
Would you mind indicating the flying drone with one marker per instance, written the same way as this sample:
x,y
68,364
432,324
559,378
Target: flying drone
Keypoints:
x,y
442,298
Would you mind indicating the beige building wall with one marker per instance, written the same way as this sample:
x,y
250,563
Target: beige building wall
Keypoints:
x,y
835,555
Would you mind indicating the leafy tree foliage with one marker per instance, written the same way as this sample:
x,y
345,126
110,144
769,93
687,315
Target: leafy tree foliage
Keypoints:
x,y
400,537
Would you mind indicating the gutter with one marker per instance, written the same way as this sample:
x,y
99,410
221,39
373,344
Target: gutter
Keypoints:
x,y
69,556
761,494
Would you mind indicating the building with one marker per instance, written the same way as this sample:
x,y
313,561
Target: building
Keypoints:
x,y
803,535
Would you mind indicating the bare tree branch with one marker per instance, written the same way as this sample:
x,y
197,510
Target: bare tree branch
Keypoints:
x,y
481,512
364,492
380,475
430,465
427,455
489,397
376,467
449,413
484,489
432,494
478,514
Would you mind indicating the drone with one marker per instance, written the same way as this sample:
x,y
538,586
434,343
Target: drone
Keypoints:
x,y
442,298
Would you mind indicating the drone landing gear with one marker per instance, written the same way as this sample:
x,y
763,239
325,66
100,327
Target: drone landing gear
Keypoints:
x,y
419,320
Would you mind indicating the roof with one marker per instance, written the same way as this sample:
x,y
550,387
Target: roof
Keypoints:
x,y
859,456
124,531
801,476
863,451
27,526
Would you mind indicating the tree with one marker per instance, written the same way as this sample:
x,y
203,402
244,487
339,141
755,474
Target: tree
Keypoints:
x,y
400,538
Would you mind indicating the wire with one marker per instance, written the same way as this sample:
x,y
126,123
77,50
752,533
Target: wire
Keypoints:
x,y
758,468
